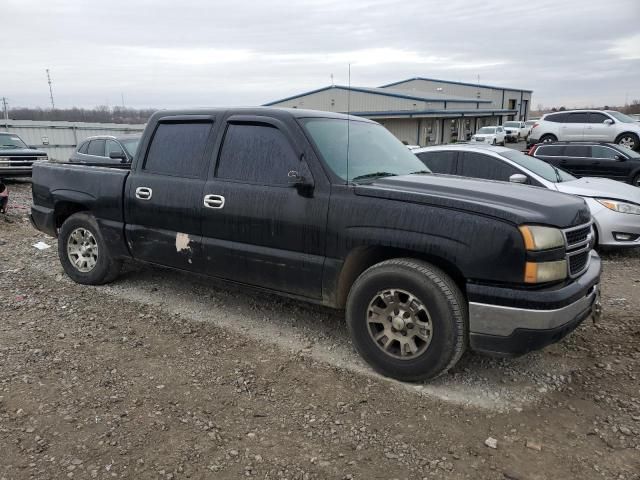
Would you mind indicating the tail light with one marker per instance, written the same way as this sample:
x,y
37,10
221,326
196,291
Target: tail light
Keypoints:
x,y
532,150
534,125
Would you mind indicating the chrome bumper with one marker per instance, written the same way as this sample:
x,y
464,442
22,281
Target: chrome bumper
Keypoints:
x,y
485,319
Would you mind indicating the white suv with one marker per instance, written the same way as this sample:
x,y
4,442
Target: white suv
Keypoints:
x,y
587,125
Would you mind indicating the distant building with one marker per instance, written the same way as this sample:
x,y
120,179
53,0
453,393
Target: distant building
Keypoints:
x,y
421,111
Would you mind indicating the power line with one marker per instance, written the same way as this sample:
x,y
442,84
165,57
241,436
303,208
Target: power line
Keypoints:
x,y
53,105
5,109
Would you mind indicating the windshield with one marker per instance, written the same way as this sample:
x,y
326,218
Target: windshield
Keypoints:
x,y
373,151
621,117
511,124
487,130
543,169
8,140
130,145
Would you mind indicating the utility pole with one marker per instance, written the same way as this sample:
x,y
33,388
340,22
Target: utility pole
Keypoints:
x,y
53,105
6,112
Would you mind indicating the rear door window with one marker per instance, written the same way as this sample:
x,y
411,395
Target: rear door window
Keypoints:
x,y
478,165
256,153
114,147
439,162
177,149
577,151
578,117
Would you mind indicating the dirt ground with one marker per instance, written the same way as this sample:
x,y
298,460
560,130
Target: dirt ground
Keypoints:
x,y
165,375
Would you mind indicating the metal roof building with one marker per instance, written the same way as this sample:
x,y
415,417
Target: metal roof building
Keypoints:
x,y
421,111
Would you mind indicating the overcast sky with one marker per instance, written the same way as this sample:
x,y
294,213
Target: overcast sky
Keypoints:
x,y
158,53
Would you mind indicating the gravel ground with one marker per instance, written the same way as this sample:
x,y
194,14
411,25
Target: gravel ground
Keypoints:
x,y
164,375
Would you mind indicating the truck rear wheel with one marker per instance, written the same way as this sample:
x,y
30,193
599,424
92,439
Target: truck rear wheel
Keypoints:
x,y
407,319
83,252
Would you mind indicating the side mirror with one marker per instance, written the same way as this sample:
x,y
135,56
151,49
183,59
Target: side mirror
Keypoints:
x,y
117,156
301,179
608,121
518,178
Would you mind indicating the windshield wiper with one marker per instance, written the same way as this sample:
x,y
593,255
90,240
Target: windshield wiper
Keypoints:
x,y
557,172
373,175
419,172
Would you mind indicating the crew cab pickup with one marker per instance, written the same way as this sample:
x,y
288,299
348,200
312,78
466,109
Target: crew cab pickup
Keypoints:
x,y
333,209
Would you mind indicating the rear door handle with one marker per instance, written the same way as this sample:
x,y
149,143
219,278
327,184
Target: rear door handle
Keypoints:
x,y
144,193
214,201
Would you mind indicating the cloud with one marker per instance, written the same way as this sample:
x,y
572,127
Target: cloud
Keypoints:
x,y
163,53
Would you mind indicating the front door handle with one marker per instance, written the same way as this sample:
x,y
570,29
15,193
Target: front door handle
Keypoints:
x,y
144,193
214,201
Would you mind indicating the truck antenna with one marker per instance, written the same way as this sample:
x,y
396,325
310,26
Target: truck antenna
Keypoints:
x,y
348,118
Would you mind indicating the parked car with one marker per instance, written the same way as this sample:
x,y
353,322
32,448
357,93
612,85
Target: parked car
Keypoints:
x,y
16,157
494,135
615,207
333,209
587,125
106,149
592,159
514,131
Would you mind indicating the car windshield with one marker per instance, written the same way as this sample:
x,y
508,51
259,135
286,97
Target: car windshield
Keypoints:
x,y
8,140
621,117
534,165
130,145
373,151
487,130
511,124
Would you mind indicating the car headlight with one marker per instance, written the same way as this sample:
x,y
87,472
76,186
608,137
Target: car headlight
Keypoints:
x,y
618,206
541,238
537,238
4,159
542,272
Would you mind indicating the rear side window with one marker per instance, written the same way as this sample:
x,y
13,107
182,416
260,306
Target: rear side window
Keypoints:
x,y
439,162
556,117
477,165
578,117
595,117
549,151
577,151
83,147
114,147
96,147
178,149
256,154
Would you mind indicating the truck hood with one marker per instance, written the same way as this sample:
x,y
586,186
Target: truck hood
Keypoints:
x,y
600,188
21,152
517,204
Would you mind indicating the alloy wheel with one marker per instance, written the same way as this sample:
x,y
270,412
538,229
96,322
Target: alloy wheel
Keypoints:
x,y
82,250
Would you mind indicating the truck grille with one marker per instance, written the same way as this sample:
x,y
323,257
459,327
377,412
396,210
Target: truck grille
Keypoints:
x,y
578,240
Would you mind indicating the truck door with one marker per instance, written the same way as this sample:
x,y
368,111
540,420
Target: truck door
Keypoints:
x,y
257,228
164,193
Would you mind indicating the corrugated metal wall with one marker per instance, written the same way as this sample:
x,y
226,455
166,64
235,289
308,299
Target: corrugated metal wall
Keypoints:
x,y
59,139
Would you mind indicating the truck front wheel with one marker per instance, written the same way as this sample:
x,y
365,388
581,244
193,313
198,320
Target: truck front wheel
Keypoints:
x,y
407,319
83,252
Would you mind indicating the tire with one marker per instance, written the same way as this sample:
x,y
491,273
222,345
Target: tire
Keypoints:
x,y
636,180
437,304
83,252
629,140
494,141
548,138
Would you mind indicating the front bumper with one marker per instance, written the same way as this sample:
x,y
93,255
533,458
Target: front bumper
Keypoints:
x,y
608,223
519,321
6,172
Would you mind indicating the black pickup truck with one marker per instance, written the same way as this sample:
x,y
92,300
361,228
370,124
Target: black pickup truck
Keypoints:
x,y
16,158
335,210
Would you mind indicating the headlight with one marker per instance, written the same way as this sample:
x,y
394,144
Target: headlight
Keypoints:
x,y
621,207
541,238
4,159
545,271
